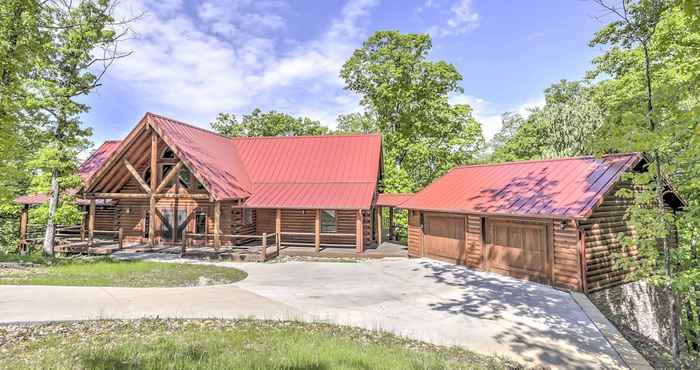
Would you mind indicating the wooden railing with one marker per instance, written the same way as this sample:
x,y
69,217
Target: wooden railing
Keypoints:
x,y
35,235
266,240
317,244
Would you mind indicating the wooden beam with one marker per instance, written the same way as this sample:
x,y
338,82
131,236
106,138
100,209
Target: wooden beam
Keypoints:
x,y
278,222
136,175
154,185
91,223
167,179
217,225
317,231
359,234
379,225
391,224
116,196
182,196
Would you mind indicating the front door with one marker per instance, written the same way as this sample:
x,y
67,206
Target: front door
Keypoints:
x,y
171,229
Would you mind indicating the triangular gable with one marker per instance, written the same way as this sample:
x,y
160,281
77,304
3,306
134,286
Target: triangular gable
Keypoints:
x,y
208,156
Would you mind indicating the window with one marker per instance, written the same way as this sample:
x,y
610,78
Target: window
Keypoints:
x,y
247,216
184,177
168,154
329,222
200,223
146,224
147,176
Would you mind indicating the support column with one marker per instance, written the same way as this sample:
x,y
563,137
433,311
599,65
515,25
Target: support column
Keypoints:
x,y
217,225
359,233
278,225
154,183
392,235
317,231
379,225
91,223
23,228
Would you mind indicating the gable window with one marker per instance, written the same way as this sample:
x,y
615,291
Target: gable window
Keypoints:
x,y
200,223
168,154
184,177
329,221
147,176
247,216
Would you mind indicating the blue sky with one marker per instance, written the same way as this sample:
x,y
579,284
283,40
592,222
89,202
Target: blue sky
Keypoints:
x,y
193,59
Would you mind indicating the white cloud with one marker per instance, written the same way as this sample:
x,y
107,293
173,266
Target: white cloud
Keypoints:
x,y
462,19
224,56
489,113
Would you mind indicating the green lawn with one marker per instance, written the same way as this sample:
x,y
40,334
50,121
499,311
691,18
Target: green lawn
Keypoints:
x,y
108,272
221,344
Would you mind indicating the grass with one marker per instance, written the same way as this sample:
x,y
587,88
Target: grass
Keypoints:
x,y
36,270
222,344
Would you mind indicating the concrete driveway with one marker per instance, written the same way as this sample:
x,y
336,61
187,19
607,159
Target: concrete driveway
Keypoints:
x,y
418,298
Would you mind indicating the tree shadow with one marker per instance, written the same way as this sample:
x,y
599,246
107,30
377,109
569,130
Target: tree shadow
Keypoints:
x,y
543,324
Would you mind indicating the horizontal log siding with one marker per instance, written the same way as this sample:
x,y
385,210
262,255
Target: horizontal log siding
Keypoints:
x,y
565,246
415,234
106,218
474,253
602,245
303,221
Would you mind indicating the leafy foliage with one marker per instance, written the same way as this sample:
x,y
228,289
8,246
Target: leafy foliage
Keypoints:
x,y
271,123
406,95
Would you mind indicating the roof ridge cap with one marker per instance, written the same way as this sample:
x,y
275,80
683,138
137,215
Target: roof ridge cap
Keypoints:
x,y
560,159
304,136
190,125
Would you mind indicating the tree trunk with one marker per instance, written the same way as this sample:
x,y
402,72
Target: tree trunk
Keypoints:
x,y
53,205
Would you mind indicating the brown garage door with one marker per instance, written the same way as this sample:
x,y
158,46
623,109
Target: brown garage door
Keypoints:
x,y
444,237
517,249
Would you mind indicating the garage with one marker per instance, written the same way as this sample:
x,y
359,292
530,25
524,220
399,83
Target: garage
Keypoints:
x,y
517,248
444,237
550,221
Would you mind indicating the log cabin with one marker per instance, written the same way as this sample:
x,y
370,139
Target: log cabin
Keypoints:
x,y
168,180
554,221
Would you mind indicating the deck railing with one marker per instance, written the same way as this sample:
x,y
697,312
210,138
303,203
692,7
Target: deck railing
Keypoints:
x,y
70,236
266,241
317,243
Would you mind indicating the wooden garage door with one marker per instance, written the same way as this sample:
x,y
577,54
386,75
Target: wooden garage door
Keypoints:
x,y
444,237
517,249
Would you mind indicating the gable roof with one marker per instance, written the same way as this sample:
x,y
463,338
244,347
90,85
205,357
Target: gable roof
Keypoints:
x,y
393,199
331,171
328,171
97,159
210,156
561,188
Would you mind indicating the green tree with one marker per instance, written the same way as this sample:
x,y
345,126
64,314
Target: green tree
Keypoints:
x,y
82,43
272,123
651,96
566,126
424,135
356,123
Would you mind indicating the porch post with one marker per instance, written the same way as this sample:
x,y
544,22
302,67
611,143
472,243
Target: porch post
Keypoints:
x,y
91,223
217,225
317,231
391,224
23,228
379,225
359,234
152,204
278,225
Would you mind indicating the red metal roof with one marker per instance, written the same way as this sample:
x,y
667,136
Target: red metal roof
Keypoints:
x,y
331,171
561,188
97,159
210,156
393,199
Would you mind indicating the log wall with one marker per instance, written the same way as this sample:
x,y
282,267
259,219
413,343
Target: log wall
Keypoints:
x,y
415,234
602,245
303,221
565,259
